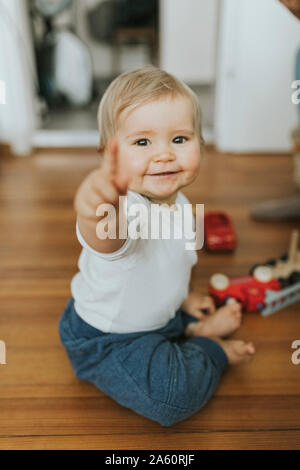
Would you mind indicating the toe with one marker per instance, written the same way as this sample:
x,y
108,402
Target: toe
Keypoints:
x,y
250,348
242,347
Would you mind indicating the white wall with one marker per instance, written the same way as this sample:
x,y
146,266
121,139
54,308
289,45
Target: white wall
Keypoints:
x,y
257,48
17,70
188,35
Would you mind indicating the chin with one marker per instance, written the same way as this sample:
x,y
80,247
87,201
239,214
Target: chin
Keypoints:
x,y
163,192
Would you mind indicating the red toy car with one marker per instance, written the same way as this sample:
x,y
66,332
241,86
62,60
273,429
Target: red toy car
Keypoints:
x,y
219,232
249,290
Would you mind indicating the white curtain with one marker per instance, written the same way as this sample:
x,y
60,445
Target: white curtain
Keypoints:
x,y
17,71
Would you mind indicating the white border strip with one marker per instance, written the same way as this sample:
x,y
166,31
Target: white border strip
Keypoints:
x,y
66,138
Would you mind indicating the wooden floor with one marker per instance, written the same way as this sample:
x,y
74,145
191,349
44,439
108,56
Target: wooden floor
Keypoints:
x,y
42,404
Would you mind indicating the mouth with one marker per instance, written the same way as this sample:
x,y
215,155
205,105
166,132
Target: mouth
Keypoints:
x,y
165,174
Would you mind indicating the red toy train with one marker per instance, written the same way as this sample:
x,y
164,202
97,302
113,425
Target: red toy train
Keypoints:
x,y
282,274
249,290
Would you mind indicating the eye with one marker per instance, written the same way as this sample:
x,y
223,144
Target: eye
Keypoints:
x,y
180,139
142,142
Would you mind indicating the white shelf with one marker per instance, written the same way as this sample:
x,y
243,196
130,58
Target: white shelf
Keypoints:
x,y
65,138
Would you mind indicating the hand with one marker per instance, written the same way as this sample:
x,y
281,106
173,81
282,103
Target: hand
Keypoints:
x,y
195,303
103,185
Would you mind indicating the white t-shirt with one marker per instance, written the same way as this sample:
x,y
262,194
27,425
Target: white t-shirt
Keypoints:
x,y
138,287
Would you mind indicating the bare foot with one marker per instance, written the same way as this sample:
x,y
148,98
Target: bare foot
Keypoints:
x,y
222,323
236,350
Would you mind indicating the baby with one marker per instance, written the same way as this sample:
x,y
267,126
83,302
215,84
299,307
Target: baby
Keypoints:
x,y
132,327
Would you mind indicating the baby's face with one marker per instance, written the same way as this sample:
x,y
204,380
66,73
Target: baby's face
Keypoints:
x,y
155,138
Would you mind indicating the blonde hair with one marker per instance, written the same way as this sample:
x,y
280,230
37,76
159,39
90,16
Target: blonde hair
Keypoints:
x,y
138,87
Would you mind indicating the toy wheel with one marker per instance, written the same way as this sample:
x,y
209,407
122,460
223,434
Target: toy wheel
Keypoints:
x,y
270,262
252,269
294,277
219,281
263,273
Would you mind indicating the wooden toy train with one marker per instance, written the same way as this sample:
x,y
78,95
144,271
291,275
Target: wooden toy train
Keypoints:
x,y
269,287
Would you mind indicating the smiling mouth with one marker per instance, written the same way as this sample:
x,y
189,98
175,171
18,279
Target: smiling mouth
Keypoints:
x,y
166,173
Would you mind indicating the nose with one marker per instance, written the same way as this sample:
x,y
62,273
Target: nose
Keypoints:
x,y
164,155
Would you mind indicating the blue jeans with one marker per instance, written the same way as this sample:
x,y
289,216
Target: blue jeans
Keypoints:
x,y
158,374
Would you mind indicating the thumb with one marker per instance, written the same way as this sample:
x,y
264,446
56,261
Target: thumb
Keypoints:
x,y
122,183
122,178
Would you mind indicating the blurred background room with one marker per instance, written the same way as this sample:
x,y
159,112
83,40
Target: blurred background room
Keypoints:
x,y
58,56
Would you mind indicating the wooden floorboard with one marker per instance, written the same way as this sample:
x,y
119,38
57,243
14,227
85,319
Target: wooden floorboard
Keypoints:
x,y
44,406
270,440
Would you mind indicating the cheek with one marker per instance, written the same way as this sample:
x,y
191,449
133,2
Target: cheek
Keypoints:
x,y
192,160
134,164
138,166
